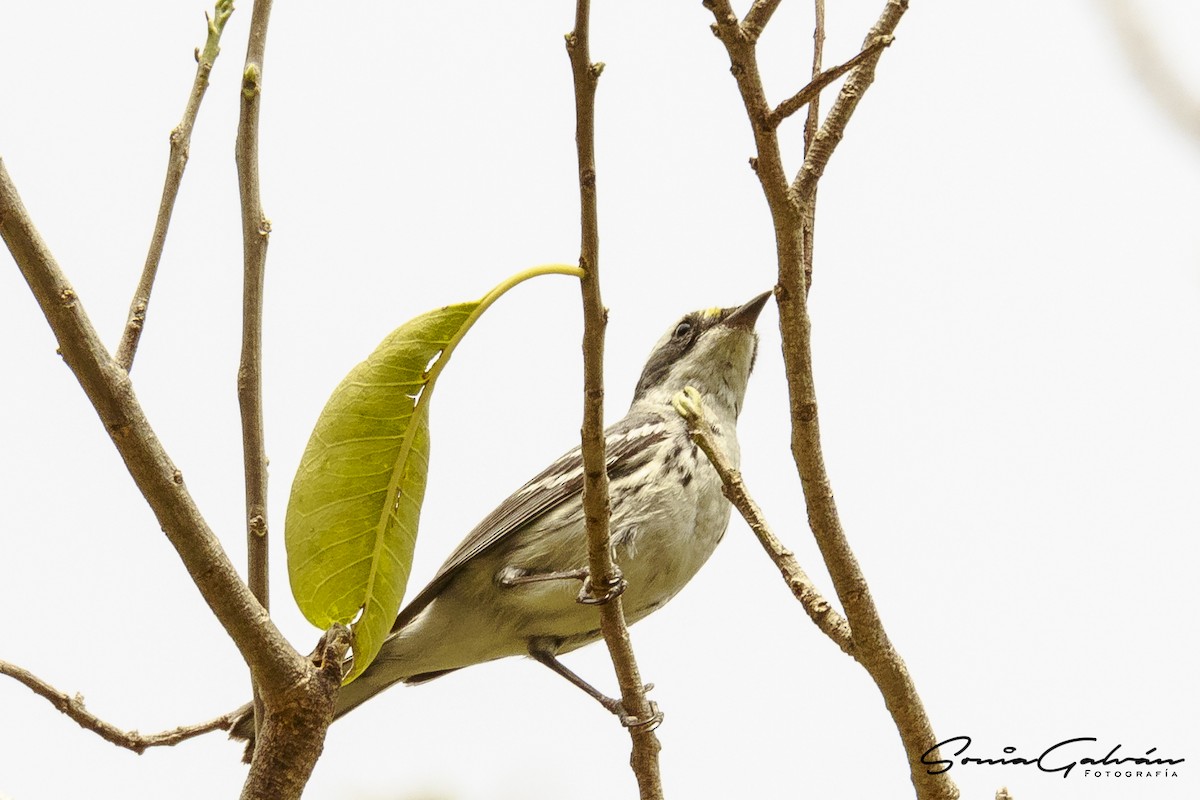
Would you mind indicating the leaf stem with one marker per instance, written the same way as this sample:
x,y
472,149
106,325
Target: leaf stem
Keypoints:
x,y
485,303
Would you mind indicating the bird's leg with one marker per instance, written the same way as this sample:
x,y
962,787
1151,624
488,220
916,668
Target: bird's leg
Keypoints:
x,y
511,576
542,652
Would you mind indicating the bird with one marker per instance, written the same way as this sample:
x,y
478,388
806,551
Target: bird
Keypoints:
x,y
512,586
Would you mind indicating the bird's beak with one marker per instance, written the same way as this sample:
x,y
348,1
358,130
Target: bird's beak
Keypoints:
x,y
745,316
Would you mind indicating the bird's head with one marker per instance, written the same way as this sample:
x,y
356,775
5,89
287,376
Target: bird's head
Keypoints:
x,y
712,350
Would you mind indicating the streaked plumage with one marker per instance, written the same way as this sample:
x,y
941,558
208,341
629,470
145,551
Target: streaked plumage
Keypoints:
x,y
668,514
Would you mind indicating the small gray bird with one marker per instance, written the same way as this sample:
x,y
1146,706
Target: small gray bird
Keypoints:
x,y
512,586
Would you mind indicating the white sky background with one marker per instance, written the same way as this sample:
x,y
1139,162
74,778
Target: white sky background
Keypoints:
x,y
1006,327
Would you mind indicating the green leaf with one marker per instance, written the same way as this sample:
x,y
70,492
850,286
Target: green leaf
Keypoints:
x,y
356,499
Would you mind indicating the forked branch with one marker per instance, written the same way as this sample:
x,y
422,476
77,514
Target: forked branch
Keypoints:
x,y
758,16
813,89
834,126
792,206
819,610
111,393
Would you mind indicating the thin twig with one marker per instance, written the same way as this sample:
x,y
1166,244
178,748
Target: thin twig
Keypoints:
x,y
256,230
604,574
813,89
819,610
814,106
74,708
181,139
830,134
287,744
811,123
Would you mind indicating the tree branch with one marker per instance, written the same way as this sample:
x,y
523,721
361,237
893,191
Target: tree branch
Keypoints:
x,y
74,708
758,16
743,65
285,679
110,391
256,229
811,122
831,623
814,105
605,577
790,206
181,139
298,697
813,89
292,733
830,134
255,233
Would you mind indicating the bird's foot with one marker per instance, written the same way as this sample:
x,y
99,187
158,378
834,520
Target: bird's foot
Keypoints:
x,y
648,723
613,585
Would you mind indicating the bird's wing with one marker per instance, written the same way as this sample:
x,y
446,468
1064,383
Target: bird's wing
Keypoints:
x,y
628,446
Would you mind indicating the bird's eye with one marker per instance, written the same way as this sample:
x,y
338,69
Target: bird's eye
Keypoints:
x,y
682,330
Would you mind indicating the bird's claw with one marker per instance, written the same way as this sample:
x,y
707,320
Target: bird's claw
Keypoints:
x,y
614,587
632,721
645,725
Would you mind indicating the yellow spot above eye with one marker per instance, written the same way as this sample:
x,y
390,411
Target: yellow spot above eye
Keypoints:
x,y
715,311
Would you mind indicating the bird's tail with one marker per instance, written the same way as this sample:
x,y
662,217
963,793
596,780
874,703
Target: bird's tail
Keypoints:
x,y
352,695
